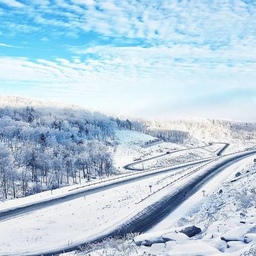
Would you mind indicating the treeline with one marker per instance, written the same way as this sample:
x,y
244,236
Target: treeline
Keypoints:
x,y
47,148
173,136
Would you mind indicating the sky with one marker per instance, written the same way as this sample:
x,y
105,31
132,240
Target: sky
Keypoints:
x,y
153,59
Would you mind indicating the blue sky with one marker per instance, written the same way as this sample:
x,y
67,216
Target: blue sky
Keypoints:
x,y
143,58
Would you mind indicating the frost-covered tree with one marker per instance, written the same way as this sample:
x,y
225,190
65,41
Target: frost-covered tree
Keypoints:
x,y
7,173
45,148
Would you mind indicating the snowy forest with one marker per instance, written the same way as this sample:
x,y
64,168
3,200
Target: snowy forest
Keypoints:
x,y
44,148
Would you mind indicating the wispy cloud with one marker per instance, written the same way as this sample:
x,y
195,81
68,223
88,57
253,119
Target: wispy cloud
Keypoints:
x,y
202,23
167,51
12,3
6,45
11,46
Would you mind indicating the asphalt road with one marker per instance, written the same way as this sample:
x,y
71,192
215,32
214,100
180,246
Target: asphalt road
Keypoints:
x,y
11,213
145,219
132,168
154,213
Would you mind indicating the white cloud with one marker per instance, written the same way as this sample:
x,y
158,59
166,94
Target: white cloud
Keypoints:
x,y
84,2
11,46
141,52
73,8
12,3
162,87
176,58
6,45
165,23
45,39
41,2
21,28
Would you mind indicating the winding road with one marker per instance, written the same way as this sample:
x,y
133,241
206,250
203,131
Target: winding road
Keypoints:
x,y
104,184
158,210
149,215
219,153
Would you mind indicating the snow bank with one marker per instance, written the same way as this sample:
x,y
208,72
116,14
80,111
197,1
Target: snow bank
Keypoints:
x,y
160,237
238,233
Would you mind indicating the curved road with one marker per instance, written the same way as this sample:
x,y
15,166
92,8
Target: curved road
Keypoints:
x,y
158,210
86,190
131,165
147,217
15,211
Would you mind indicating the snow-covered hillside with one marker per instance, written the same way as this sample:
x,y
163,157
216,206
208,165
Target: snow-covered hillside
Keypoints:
x,y
240,135
201,129
47,146
15,101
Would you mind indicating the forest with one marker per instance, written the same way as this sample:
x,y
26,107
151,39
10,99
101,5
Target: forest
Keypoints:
x,y
44,148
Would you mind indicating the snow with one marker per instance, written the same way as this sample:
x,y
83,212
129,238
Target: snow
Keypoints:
x,y
240,135
160,237
237,234
89,216
190,248
83,217
198,197
130,137
129,147
229,232
92,215
84,186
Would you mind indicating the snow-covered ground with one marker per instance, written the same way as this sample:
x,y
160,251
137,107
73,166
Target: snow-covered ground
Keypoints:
x,y
69,223
130,148
240,135
225,212
81,218
72,222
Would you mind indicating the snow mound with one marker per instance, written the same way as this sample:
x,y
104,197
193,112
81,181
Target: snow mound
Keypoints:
x,y
190,248
159,237
238,233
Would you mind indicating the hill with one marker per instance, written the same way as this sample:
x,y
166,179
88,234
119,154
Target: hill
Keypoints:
x,y
45,145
